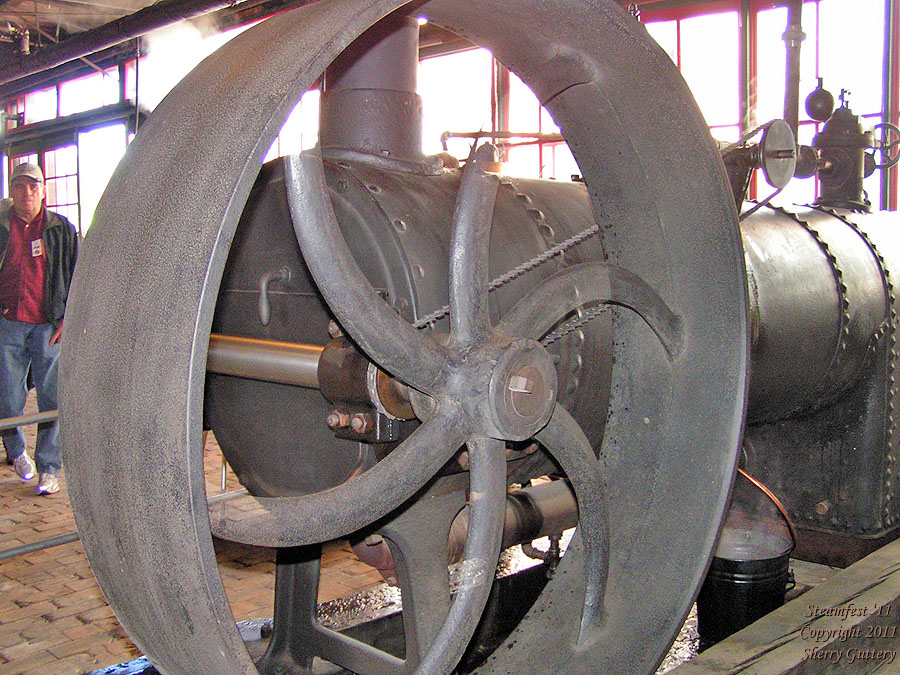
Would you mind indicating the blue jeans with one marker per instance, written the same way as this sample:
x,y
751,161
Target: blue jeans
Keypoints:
x,y
24,345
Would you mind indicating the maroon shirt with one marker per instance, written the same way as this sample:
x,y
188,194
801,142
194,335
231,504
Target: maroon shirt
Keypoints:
x,y
23,271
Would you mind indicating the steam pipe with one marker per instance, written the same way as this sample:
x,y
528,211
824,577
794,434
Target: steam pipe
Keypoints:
x,y
746,123
376,72
793,37
888,106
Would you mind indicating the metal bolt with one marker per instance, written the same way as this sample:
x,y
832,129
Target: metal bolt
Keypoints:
x,y
334,330
526,390
463,460
521,384
338,420
823,507
361,423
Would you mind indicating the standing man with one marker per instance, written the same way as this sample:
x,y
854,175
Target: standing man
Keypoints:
x,y
38,249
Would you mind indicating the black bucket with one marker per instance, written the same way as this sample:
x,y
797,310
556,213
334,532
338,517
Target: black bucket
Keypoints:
x,y
747,579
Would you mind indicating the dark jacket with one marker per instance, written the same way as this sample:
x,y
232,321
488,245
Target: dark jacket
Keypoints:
x,y
61,245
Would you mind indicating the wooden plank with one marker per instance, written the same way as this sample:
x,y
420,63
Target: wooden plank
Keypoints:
x,y
849,624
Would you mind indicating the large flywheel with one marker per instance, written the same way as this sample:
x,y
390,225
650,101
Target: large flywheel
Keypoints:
x,y
650,498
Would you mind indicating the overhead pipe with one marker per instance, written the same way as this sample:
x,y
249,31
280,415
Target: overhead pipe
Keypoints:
x,y
156,16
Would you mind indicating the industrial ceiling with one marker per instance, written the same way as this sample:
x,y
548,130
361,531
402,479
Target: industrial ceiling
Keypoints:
x,y
37,36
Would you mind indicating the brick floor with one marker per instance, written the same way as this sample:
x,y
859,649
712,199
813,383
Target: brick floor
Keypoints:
x,y
53,618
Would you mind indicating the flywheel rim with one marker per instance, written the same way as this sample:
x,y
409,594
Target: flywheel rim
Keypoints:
x,y
164,313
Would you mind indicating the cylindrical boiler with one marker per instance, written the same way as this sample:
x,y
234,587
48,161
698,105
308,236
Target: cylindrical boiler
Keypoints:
x,y
818,297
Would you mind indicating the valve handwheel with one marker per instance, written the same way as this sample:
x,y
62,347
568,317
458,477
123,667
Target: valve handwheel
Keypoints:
x,y
650,499
888,145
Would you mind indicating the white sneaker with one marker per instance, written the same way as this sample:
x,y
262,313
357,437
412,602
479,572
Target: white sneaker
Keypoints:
x,y
48,484
24,466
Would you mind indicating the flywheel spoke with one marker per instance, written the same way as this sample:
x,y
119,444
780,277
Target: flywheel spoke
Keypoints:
x,y
565,440
418,541
469,248
589,283
381,333
345,508
487,509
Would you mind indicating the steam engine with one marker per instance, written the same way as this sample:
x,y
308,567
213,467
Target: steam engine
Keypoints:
x,y
384,344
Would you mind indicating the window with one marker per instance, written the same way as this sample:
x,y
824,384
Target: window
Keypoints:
x,y
301,130
528,158
462,92
88,92
858,68
41,105
172,52
705,49
843,44
99,152
61,182
709,48
456,95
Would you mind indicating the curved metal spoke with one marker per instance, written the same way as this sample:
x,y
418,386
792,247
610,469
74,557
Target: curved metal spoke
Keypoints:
x,y
381,333
338,511
469,249
595,282
487,509
565,440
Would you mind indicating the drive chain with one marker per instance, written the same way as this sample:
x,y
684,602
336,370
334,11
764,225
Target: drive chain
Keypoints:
x,y
518,271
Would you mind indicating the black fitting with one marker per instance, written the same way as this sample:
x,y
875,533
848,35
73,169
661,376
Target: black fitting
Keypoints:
x,y
842,148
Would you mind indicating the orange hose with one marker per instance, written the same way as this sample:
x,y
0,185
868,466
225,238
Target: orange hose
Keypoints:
x,y
766,491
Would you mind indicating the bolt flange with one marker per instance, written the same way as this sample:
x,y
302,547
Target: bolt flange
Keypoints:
x,y
522,390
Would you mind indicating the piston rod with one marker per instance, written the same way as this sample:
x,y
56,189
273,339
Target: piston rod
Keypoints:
x,y
270,360
283,362
531,513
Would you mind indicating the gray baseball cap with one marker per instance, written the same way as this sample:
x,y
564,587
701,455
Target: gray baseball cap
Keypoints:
x,y
28,170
